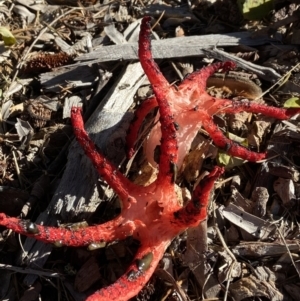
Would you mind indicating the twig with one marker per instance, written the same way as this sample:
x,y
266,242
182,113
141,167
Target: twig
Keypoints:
x,y
265,73
282,80
224,243
231,256
29,271
288,250
228,276
17,168
158,20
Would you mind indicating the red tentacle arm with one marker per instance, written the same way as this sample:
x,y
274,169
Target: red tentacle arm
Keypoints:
x,y
151,69
136,276
164,93
231,147
108,232
229,106
106,169
196,209
200,76
139,118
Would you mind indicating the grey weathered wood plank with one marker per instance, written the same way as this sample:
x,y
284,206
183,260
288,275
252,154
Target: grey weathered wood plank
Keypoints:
x,y
174,47
77,195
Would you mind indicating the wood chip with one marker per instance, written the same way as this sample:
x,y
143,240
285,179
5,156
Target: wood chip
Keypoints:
x,y
261,249
253,225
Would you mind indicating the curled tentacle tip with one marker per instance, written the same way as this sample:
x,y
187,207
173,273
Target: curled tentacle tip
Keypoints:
x,y
146,20
2,218
261,156
229,65
130,153
217,171
76,110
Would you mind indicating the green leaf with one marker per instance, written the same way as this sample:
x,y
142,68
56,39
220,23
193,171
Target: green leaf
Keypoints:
x,y
293,102
235,138
7,36
223,158
228,161
255,9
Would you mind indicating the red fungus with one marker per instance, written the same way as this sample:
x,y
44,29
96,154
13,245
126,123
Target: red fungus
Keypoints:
x,y
192,108
152,214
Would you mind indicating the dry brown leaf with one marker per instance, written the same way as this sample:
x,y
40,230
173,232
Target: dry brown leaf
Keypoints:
x,y
260,197
238,199
285,188
11,199
194,160
176,289
32,293
17,109
284,262
147,175
87,275
253,287
258,131
228,269
237,121
293,290
248,56
265,274
5,278
232,234
284,171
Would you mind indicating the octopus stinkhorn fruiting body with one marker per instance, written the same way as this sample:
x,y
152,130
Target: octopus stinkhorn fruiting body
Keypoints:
x,y
153,214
